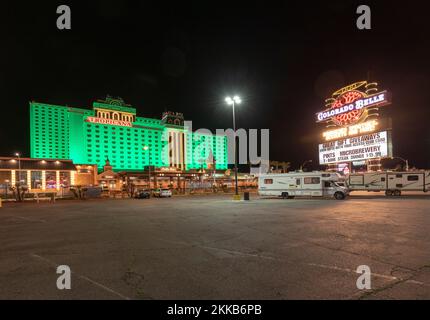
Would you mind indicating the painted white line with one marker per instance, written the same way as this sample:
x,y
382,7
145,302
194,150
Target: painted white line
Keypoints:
x,y
239,253
82,277
30,219
352,271
377,275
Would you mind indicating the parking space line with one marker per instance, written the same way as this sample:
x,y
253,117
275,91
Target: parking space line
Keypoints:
x,y
82,277
238,253
377,275
351,271
30,219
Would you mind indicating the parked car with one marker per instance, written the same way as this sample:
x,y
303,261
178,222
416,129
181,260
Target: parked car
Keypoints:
x,y
162,193
142,194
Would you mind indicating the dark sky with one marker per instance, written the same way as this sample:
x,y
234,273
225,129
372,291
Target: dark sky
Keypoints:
x,y
283,58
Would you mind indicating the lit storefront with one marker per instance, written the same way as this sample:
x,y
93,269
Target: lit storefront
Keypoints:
x,y
356,135
36,174
112,130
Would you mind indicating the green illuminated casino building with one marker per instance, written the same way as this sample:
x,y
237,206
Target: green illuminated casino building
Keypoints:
x,y
112,130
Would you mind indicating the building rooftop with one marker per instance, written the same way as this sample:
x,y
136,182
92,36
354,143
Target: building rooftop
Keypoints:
x,y
12,163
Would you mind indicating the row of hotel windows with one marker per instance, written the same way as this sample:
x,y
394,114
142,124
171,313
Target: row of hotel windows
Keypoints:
x,y
56,119
48,112
96,128
120,128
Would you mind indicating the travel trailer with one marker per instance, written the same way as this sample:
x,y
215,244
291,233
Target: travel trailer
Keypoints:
x,y
393,183
292,184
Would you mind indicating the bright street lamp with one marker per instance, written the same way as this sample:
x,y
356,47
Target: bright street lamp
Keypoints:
x,y
232,102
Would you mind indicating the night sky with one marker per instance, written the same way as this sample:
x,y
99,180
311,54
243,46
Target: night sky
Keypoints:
x,y
284,59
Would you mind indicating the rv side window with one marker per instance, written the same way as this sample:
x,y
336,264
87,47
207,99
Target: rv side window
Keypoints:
x,y
268,181
356,180
311,180
383,179
413,178
298,181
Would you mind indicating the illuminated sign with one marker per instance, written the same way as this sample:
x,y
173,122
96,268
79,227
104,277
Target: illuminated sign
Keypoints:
x,y
352,104
356,129
370,146
109,121
349,107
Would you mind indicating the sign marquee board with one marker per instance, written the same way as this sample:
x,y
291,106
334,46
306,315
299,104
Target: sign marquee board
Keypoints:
x,y
369,146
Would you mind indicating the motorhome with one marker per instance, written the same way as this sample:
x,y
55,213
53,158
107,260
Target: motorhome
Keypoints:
x,y
393,183
292,184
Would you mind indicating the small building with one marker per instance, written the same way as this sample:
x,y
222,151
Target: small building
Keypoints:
x,y
86,174
108,179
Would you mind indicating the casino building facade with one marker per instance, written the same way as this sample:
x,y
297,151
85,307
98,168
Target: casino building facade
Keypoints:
x,y
112,130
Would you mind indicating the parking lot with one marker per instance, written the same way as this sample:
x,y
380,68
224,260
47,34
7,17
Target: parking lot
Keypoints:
x,y
210,247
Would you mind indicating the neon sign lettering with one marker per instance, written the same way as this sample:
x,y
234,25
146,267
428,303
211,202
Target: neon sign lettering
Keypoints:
x,y
355,107
109,121
355,129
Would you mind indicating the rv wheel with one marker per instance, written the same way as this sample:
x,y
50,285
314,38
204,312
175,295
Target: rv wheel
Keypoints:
x,y
389,193
397,193
284,195
339,196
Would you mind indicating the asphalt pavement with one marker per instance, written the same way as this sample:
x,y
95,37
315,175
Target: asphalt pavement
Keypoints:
x,y
210,247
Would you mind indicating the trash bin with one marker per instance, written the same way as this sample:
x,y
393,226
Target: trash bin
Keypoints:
x,y
246,196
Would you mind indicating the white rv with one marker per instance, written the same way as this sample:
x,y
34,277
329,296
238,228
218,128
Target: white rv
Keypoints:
x,y
292,184
391,182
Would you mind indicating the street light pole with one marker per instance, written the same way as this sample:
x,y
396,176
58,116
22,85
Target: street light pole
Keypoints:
x,y
235,151
19,167
232,102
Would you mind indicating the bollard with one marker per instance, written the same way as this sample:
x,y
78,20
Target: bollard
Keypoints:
x,y
246,196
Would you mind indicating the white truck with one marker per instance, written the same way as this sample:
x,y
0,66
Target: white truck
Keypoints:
x,y
292,184
393,183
